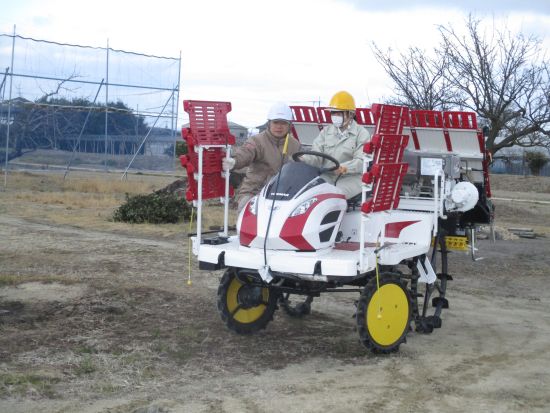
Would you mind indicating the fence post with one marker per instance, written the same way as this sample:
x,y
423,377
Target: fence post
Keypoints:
x,y
9,112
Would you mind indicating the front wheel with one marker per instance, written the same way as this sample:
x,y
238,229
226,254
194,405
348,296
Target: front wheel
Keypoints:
x,y
384,314
244,305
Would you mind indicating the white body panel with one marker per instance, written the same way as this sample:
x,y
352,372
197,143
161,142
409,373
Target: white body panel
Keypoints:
x,y
283,209
342,260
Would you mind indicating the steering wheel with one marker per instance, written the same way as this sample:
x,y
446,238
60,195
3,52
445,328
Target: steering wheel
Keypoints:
x,y
296,158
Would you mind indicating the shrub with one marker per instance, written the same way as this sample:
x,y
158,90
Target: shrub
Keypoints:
x,y
181,149
155,208
536,161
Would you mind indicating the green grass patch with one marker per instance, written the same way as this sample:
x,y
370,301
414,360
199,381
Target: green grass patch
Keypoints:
x,y
7,280
106,388
85,350
86,366
14,384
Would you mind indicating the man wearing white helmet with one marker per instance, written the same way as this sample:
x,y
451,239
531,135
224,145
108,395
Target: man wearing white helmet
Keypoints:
x,y
263,153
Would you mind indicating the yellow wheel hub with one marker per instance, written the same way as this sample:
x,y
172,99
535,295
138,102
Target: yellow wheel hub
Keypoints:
x,y
240,314
387,314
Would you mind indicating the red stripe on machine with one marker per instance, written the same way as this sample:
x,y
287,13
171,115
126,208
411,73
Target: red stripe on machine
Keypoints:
x,y
293,228
249,227
393,229
415,139
448,140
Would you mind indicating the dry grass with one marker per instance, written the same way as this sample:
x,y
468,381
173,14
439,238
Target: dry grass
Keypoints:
x,y
71,199
135,328
34,385
88,200
515,183
13,280
93,182
101,186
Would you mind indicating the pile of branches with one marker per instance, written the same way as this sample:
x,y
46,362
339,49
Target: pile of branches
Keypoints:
x,y
165,206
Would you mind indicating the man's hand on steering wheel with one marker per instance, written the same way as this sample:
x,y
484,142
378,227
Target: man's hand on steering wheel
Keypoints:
x,y
342,170
297,158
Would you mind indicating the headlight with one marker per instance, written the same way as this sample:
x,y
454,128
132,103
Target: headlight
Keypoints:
x,y
253,205
303,207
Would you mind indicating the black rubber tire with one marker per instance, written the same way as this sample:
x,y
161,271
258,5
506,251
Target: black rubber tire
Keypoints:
x,y
371,336
244,318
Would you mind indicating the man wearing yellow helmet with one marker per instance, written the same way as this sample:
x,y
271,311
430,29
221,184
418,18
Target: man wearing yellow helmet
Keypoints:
x,y
344,141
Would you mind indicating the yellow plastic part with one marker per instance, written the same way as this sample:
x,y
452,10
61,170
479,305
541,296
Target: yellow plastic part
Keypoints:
x,y
455,243
342,101
244,315
285,147
387,314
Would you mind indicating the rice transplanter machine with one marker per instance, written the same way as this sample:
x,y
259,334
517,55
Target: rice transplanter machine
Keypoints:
x,y
425,187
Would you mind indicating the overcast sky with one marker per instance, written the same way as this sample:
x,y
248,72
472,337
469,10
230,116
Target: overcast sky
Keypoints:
x,y
253,53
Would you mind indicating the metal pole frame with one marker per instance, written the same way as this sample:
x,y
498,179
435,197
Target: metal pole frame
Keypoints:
x,y
199,200
125,174
198,203
9,112
226,198
177,105
367,160
106,104
77,143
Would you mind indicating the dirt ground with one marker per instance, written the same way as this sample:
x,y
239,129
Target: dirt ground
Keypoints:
x,y
97,316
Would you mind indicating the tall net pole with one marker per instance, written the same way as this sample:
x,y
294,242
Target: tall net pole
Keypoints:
x,y
9,112
106,104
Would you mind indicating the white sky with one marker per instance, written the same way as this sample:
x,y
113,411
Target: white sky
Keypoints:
x,y
253,53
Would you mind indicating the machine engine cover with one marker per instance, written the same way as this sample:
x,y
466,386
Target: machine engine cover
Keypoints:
x,y
463,197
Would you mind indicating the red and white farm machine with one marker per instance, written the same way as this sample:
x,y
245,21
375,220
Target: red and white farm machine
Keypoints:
x,y
425,188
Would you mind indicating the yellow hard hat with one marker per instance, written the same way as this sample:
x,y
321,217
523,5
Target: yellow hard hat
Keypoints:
x,y
342,101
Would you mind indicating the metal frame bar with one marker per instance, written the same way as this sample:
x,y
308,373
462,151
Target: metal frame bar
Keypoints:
x,y
10,72
125,174
9,112
77,143
106,104
198,202
89,82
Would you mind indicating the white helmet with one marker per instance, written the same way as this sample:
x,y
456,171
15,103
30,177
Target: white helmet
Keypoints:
x,y
280,111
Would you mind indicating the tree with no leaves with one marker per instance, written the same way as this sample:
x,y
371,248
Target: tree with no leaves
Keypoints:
x,y
502,77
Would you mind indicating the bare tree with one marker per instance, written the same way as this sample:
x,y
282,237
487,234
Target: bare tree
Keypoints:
x,y
499,75
502,79
420,81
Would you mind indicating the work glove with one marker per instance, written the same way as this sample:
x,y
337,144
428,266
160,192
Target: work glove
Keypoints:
x,y
228,164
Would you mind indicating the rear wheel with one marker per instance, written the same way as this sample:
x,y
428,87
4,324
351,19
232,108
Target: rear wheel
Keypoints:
x,y
244,305
384,314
